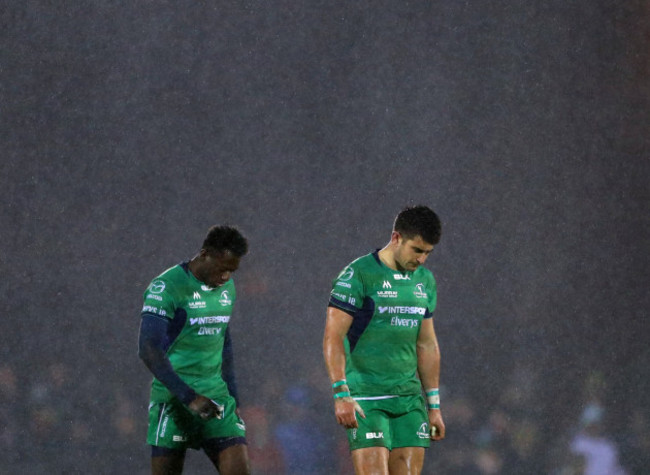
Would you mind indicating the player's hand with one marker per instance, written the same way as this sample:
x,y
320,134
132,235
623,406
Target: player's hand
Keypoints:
x,y
346,409
436,424
206,408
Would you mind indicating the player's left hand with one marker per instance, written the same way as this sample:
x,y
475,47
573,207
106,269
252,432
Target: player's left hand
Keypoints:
x,y
437,425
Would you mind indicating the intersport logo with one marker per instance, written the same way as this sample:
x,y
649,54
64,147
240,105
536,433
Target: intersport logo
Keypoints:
x,y
206,320
402,310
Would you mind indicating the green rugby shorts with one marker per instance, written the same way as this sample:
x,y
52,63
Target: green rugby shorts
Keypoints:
x,y
392,423
173,426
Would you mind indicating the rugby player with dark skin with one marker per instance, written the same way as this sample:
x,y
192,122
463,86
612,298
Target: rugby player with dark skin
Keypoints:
x,y
213,269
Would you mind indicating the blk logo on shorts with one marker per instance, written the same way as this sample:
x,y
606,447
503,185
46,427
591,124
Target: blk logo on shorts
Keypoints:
x,y
374,435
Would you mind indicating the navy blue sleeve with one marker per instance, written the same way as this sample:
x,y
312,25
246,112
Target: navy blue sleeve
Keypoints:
x,y
152,351
228,367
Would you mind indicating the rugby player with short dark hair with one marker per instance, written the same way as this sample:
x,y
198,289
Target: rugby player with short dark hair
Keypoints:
x,y
381,350
185,342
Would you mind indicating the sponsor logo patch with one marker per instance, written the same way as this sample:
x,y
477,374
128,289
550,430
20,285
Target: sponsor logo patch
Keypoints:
x,y
224,299
419,291
402,310
387,294
403,322
154,310
207,320
346,274
341,297
157,286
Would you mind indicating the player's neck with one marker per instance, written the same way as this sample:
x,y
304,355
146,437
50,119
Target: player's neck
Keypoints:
x,y
193,266
387,257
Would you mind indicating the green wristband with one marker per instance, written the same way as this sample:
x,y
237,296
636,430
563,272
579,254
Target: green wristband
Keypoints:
x,y
339,383
342,394
433,398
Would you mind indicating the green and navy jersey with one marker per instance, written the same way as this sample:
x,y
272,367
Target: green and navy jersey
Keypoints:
x,y
199,318
387,307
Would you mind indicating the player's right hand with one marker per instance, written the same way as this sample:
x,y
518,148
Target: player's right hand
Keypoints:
x,y
206,408
346,409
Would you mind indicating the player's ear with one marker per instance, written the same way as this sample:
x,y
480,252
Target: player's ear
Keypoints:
x,y
395,237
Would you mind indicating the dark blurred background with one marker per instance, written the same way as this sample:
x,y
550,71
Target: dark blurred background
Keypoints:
x,y
128,128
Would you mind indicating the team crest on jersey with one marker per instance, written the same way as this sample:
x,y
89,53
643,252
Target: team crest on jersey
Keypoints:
x,y
346,274
157,286
419,291
224,299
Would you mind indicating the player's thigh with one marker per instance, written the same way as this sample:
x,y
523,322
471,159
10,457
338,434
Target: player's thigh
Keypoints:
x,y
167,461
406,461
232,460
370,461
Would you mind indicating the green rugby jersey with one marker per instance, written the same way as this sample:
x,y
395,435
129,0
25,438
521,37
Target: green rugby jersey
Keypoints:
x,y
388,308
199,317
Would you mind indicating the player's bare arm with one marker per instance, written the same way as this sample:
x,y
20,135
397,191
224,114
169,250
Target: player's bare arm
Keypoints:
x,y
336,327
428,353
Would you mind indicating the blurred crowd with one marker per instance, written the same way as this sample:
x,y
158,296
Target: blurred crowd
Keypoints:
x,y
51,422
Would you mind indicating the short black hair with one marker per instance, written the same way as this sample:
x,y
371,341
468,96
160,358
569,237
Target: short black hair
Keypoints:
x,y
225,238
419,221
